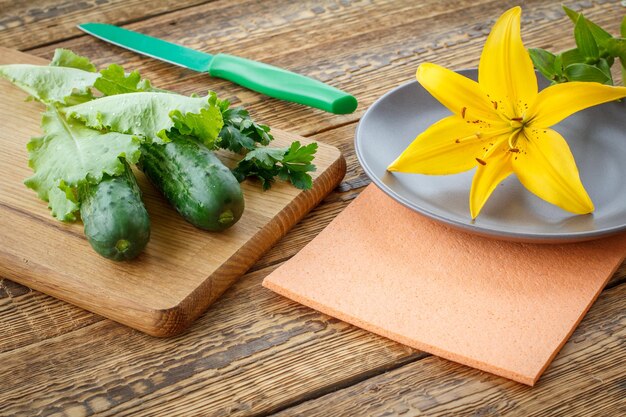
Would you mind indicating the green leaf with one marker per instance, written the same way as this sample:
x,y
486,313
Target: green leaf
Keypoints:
x,y
240,132
616,47
146,114
543,61
558,67
622,28
266,157
585,72
70,154
68,59
114,81
572,56
50,85
63,203
298,158
598,33
605,67
290,164
585,41
203,126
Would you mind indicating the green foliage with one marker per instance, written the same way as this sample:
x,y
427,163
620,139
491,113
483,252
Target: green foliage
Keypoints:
x,y
68,59
114,81
70,155
204,126
51,85
585,42
291,164
240,133
585,72
148,114
591,60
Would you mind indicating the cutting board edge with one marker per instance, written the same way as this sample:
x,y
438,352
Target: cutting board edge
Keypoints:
x,y
175,320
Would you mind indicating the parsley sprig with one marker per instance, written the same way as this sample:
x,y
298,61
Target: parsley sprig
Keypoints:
x,y
291,164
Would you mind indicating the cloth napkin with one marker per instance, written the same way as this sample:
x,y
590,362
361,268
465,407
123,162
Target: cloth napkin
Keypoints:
x,y
502,307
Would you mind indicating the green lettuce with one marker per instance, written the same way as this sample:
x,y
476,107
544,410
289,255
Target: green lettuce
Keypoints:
x,y
51,85
69,155
151,115
113,80
68,59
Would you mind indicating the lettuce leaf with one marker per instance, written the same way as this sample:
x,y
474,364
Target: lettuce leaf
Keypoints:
x,y
68,59
51,84
70,154
113,80
151,115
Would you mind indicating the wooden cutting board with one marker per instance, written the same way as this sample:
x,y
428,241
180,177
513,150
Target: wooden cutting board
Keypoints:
x,y
182,271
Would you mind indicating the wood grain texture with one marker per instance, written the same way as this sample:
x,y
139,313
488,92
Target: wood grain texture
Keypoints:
x,y
253,352
586,378
26,24
182,271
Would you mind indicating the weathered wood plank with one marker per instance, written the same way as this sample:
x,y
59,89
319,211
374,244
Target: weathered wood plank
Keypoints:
x,y
28,24
367,54
252,352
586,378
28,316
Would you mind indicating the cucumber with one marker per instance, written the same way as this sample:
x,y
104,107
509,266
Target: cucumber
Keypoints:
x,y
195,182
116,222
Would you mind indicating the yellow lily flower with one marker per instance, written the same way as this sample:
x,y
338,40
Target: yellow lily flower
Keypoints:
x,y
501,124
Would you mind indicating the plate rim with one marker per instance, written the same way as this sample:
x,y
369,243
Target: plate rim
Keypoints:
x,y
528,237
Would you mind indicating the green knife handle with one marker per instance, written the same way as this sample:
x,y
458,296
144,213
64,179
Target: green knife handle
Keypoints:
x,y
278,83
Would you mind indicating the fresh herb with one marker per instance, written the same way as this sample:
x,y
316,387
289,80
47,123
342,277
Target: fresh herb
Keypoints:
x,y
290,164
240,133
596,51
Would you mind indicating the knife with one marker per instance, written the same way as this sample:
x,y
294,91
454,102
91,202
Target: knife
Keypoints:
x,y
263,78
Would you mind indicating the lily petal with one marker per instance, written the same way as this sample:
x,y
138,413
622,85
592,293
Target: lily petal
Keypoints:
x,y
461,95
546,167
558,101
506,71
449,146
497,166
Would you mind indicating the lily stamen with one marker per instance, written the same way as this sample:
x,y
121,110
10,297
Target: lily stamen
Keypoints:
x,y
468,138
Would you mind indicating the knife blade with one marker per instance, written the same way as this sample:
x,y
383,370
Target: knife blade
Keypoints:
x,y
263,78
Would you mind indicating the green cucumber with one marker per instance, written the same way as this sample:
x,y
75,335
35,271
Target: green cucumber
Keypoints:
x,y
195,182
116,222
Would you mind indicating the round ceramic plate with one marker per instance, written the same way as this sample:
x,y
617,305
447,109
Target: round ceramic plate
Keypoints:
x,y
596,136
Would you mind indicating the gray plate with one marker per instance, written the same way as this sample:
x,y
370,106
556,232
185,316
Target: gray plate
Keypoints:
x,y
597,138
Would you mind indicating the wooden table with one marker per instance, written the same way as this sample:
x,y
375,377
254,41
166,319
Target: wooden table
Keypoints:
x,y
254,352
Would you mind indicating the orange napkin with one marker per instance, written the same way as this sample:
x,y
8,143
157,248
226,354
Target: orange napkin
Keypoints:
x,y
502,307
